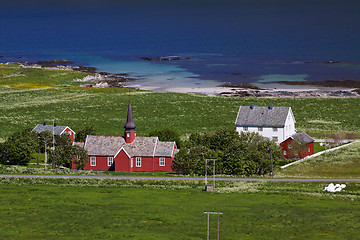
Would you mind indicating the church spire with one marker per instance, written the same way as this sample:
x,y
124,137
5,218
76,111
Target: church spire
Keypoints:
x,y
130,126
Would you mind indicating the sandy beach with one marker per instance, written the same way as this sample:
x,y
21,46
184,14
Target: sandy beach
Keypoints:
x,y
279,90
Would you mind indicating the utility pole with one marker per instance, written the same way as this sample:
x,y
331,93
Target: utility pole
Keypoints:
x,y
325,144
45,153
53,126
271,163
206,167
208,224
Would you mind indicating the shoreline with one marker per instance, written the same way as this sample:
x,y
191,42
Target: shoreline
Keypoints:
x,y
250,92
341,88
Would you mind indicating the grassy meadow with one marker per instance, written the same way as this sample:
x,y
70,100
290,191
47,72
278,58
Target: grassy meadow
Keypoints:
x,y
39,208
32,96
107,209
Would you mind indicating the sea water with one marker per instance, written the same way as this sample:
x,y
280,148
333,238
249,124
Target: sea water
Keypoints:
x,y
241,42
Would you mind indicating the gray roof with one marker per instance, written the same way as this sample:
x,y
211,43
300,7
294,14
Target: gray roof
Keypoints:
x,y
142,147
253,116
42,128
103,145
165,149
302,137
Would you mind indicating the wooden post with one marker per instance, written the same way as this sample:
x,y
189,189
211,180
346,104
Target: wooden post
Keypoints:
x,y
218,227
271,162
214,171
206,172
208,224
325,144
45,155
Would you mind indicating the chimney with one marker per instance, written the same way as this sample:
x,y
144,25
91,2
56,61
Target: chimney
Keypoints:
x,y
271,107
55,124
252,106
44,124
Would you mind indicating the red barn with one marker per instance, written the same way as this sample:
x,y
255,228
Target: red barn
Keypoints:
x,y
299,145
129,153
55,129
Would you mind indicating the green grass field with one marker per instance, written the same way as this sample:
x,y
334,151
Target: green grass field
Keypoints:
x,y
134,209
103,209
32,96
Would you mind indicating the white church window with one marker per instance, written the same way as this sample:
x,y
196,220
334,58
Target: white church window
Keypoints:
x,y
162,161
110,161
92,161
138,161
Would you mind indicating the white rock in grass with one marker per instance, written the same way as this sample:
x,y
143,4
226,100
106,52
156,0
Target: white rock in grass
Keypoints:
x,y
334,188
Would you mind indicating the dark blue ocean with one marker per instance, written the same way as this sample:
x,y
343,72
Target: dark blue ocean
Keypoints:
x,y
244,41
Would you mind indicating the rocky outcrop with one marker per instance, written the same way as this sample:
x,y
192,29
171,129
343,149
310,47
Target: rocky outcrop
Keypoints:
x,y
300,94
168,58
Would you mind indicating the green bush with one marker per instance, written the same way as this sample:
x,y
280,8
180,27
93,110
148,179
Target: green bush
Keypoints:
x,y
246,154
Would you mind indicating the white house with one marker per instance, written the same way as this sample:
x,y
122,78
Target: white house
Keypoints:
x,y
276,123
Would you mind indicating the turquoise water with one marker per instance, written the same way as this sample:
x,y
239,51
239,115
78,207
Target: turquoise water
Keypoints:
x,y
239,41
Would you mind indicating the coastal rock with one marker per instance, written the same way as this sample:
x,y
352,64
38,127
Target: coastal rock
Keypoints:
x,y
168,58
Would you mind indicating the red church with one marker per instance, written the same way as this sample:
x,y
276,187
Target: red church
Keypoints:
x,y
298,145
128,153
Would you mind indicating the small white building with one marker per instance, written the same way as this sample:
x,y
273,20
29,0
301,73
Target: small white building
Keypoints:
x,y
276,123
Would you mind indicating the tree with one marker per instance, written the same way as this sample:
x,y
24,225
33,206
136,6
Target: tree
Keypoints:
x,y
191,161
3,153
45,138
167,135
245,154
19,147
297,147
61,154
79,157
88,130
338,138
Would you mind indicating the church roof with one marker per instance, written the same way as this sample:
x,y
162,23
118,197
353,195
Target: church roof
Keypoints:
x,y
103,145
253,116
129,125
140,147
165,149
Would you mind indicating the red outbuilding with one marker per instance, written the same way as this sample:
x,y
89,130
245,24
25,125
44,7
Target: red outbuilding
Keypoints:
x,y
298,145
128,153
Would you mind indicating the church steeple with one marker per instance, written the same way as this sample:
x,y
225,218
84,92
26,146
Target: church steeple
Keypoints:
x,y
130,132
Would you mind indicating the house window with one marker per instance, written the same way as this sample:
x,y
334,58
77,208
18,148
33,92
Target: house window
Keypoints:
x,y
162,161
260,129
245,128
138,161
275,129
284,152
308,149
131,162
92,161
110,161
275,138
